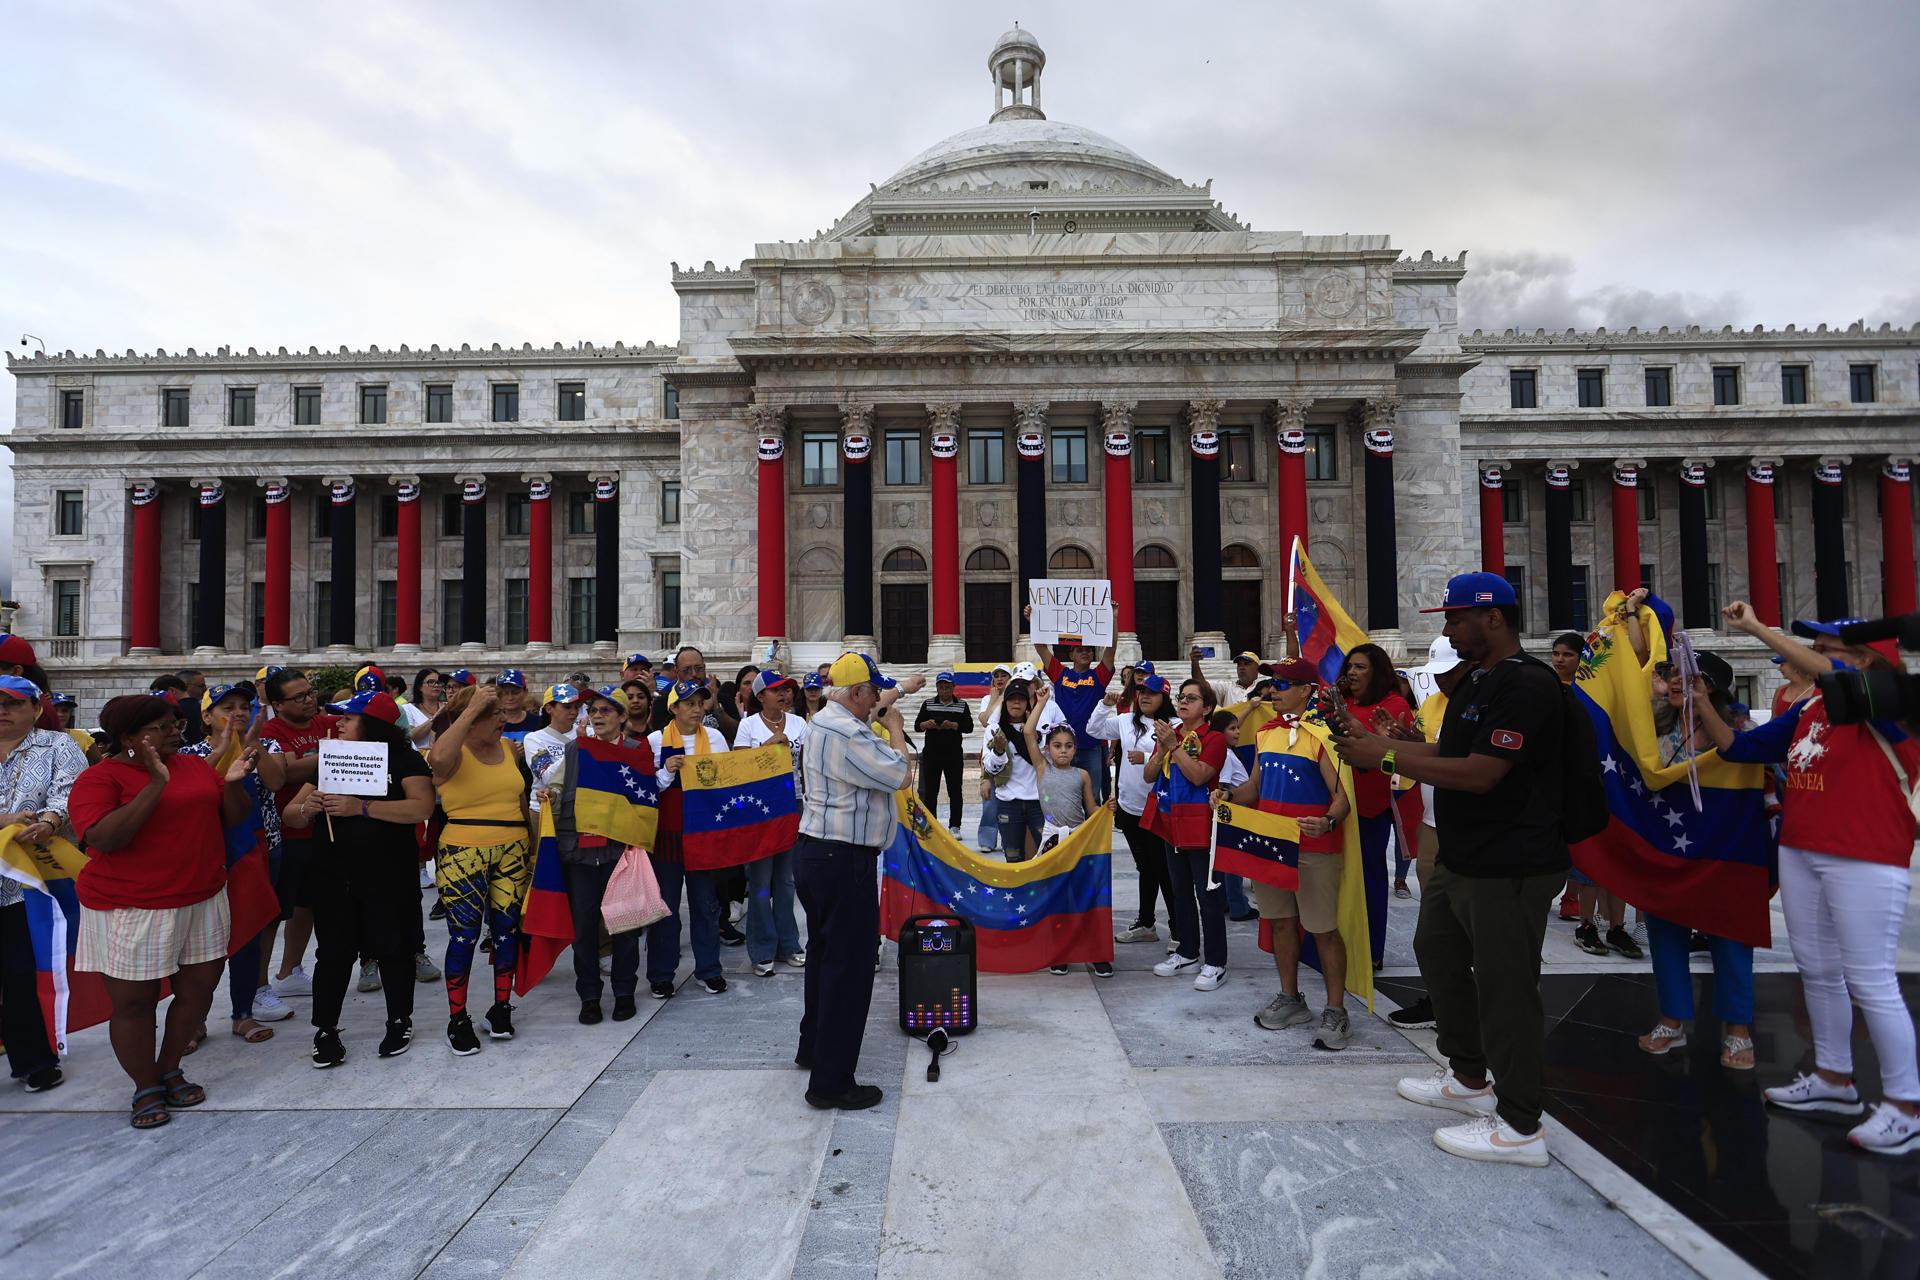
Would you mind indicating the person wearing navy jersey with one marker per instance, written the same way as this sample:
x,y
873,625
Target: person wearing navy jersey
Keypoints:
x,y
1077,690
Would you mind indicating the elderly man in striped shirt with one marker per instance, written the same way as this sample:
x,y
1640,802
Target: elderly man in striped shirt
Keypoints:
x,y
847,817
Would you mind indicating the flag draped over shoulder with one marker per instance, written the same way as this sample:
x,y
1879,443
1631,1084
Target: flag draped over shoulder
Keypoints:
x,y
615,798
1178,808
1055,909
738,807
252,904
69,1001
1709,869
1327,634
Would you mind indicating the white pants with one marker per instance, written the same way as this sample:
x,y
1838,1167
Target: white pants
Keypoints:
x,y
1843,919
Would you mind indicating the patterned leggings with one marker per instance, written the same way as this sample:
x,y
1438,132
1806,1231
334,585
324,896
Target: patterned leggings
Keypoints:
x,y
476,883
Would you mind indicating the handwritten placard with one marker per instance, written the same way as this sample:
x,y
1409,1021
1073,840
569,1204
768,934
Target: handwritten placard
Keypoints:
x,y
1072,611
352,768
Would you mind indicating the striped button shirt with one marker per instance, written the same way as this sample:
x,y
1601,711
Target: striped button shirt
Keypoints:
x,y
34,778
851,775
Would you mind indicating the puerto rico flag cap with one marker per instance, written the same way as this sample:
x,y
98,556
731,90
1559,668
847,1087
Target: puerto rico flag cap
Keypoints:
x,y
1475,591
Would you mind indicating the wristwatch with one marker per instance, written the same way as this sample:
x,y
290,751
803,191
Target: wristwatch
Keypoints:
x,y
1386,762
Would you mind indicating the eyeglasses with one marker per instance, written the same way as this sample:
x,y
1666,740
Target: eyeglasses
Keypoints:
x,y
1189,697
302,696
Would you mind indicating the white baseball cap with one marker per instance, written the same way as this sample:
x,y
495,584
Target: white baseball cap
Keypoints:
x,y
1026,671
1441,658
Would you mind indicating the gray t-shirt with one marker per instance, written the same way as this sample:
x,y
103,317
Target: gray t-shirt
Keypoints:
x,y
1063,797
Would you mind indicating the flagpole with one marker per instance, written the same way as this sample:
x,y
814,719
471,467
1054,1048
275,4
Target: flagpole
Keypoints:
x,y
1213,844
1293,574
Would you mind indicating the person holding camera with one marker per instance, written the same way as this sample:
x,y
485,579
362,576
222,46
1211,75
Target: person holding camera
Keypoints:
x,y
1846,836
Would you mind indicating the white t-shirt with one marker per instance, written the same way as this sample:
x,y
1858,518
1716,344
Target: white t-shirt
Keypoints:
x,y
1117,726
754,730
415,717
1232,773
543,747
716,746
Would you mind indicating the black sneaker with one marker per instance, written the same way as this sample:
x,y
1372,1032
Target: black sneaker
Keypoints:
x,y
662,991
1589,939
589,1012
439,911
857,1098
500,1021
623,1008
327,1049
1415,1016
399,1038
1057,968
460,1036
714,986
1622,941
730,936
1699,943
1103,968
45,1078
1250,913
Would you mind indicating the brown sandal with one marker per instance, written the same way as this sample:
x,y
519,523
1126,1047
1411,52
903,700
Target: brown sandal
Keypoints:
x,y
254,1033
194,1041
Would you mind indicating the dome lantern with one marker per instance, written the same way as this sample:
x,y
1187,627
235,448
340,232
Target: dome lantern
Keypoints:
x,y
1015,64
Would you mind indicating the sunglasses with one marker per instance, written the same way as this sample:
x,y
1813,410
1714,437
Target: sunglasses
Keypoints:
x,y
1281,686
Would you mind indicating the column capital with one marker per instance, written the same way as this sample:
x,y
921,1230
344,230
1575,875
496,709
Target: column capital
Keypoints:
x,y
142,482
1771,461
1502,465
536,478
330,481
270,483
469,477
1698,462
1290,412
1898,467
768,419
1117,415
1377,413
856,419
1031,415
944,415
1569,464
1834,460
1204,414
1629,464
208,482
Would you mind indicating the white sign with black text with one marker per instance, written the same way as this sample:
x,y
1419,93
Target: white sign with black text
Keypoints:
x,y
1072,611
352,768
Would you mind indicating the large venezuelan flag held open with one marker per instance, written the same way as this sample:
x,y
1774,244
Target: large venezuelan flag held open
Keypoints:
x,y
738,807
1054,909
1327,634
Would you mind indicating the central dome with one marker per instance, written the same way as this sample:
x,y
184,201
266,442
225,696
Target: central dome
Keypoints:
x,y
1014,152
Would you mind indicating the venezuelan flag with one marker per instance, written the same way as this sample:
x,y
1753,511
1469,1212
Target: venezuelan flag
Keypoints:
x,y
69,1001
252,904
1259,846
973,679
1350,919
738,807
1178,809
1327,634
1055,909
546,924
1709,868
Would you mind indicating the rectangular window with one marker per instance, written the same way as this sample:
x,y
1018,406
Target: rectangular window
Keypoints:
x,y
519,515
322,614
69,506
1592,388
1069,450
579,513
440,402
451,590
1577,596
1237,457
193,518
386,622
1577,498
1793,384
669,502
1520,388
306,406
1513,502
1647,579
903,457
257,613
506,402
240,406
373,406
1784,585
1323,463
580,609
819,459
173,407
670,599
66,606
1517,578
257,517
1726,384
1648,501
670,402
573,402
73,409
323,514
516,611
1860,383
1712,492
452,515
386,516
1152,456
986,457
1659,387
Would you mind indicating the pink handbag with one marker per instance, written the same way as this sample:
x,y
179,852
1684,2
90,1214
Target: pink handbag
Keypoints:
x,y
632,900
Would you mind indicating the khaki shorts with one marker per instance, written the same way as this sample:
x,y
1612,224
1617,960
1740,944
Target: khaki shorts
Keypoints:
x,y
1429,841
136,944
1317,902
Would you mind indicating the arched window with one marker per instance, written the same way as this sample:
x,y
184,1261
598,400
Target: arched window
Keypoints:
x,y
903,560
1239,556
1154,557
1069,558
989,560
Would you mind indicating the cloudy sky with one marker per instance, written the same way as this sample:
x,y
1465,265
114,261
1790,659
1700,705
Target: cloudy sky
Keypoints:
x,y
264,175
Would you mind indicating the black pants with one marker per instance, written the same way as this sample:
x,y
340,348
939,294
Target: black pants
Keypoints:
x,y
1199,913
22,1025
835,884
364,904
934,768
586,886
1150,859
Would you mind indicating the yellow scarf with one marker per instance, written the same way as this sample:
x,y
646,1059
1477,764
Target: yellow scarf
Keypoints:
x,y
671,737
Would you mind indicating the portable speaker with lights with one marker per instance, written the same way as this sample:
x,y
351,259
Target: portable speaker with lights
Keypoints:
x,y
938,978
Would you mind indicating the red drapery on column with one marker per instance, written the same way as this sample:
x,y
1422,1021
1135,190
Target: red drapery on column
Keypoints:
x,y
277,615
406,566
946,518
1291,471
1117,417
540,560
1896,535
773,528
1626,526
143,631
1493,532
1763,573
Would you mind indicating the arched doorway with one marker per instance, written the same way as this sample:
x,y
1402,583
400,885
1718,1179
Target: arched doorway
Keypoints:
x,y
1240,615
1156,603
903,607
989,604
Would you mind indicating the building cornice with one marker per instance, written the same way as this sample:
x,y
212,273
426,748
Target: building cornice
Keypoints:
x,y
226,359
388,440
1215,346
1429,268
1692,338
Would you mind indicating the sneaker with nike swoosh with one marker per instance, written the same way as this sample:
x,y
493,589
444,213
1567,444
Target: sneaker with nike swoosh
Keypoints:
x,y
1493,1140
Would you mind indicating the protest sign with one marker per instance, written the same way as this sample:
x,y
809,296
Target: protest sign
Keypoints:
x,y
1072,611
352,768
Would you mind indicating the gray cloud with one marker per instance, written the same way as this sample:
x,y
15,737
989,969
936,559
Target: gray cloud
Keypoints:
x,y
1540,290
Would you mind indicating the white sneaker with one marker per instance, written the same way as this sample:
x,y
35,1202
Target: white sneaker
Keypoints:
x,y
1492,1139
1211,976
426,874
1889,1131
268,1007
1443,1089
1173,964
296,983
1137,933
798,960
1810,1093
762,968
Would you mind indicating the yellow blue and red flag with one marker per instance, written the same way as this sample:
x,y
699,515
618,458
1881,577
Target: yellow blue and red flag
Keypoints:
x,y
1257,846
738,807
1178,808
1709,868
69,1001
1327,634
1054,909
973,679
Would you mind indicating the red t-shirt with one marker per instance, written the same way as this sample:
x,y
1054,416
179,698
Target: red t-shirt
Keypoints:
x,y
1842,795
1372,789
295,743
179,855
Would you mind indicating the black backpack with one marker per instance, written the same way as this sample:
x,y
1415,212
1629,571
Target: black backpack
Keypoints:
x,y
1583,787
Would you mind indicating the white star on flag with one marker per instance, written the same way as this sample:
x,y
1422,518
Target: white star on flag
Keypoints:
x,y
1681,844
1674,818
1610,765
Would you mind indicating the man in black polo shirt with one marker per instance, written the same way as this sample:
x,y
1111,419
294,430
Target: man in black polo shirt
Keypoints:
x,y
1497,783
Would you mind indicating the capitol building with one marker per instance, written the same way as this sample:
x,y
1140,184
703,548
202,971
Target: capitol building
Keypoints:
x,y
1027,353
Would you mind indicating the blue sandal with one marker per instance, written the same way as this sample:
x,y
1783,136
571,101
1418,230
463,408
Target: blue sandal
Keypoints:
x,y
153,1114
184,1094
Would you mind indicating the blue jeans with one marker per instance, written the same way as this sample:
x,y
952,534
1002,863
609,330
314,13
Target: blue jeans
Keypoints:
x,y
243,966
1673,982
703,922
1094,761
988,836
771,929
1017,819
1199,913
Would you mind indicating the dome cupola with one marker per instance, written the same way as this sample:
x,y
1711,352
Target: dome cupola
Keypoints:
x,y
1016,63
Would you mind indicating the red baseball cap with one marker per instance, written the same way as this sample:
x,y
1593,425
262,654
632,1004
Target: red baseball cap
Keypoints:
x,y
1293,671
16,652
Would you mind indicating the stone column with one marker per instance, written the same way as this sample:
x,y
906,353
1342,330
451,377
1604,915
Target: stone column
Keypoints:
x,y
1030,508
1383,551
276,623
770,534
143,592
1493,517
606,560
1203,417
473,562
856,544
539,559
345,573
1695,605
210,621
1896,535
1625,494
1116,421
406,563
1559,508
1290,471
1831,597
945,646
1763,565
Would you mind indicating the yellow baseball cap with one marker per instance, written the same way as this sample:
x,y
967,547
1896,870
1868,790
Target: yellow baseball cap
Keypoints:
x,y
851,669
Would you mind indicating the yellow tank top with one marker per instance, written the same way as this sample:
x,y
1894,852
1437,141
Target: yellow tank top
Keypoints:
x,y
483,802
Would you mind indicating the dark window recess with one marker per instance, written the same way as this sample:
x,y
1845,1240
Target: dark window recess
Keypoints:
x,y
1239,556
373,406
1659,387
66,606
386,516
989,620
173,407
669,502
903,457
506,402
257,613
1793,384
1577,498
323,514
1726,384
386,622
306,406
1322,460
989,560
819,459
516,611
73,409
1860,383
322,614
1513,501
451,591
904,560
1152,456
986,457
1517,579
1069,449
670,408
240,407
580,515
1069,559
670,599
452,521
580,609
440,402
70,506
1647,579
903,622
1237,458
1156,607
1647,500
573,403
519,516
1592,388
257,517
1577,593
1154,557
1521,393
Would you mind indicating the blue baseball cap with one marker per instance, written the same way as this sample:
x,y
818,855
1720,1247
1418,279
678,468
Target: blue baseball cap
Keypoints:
x,y
512,676
377,703
460,676
812,681
20,687
211,698
1475,591
685,689
1808,630
64,700
639,660
1143,667
564,694
766,680
945,677
851,669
